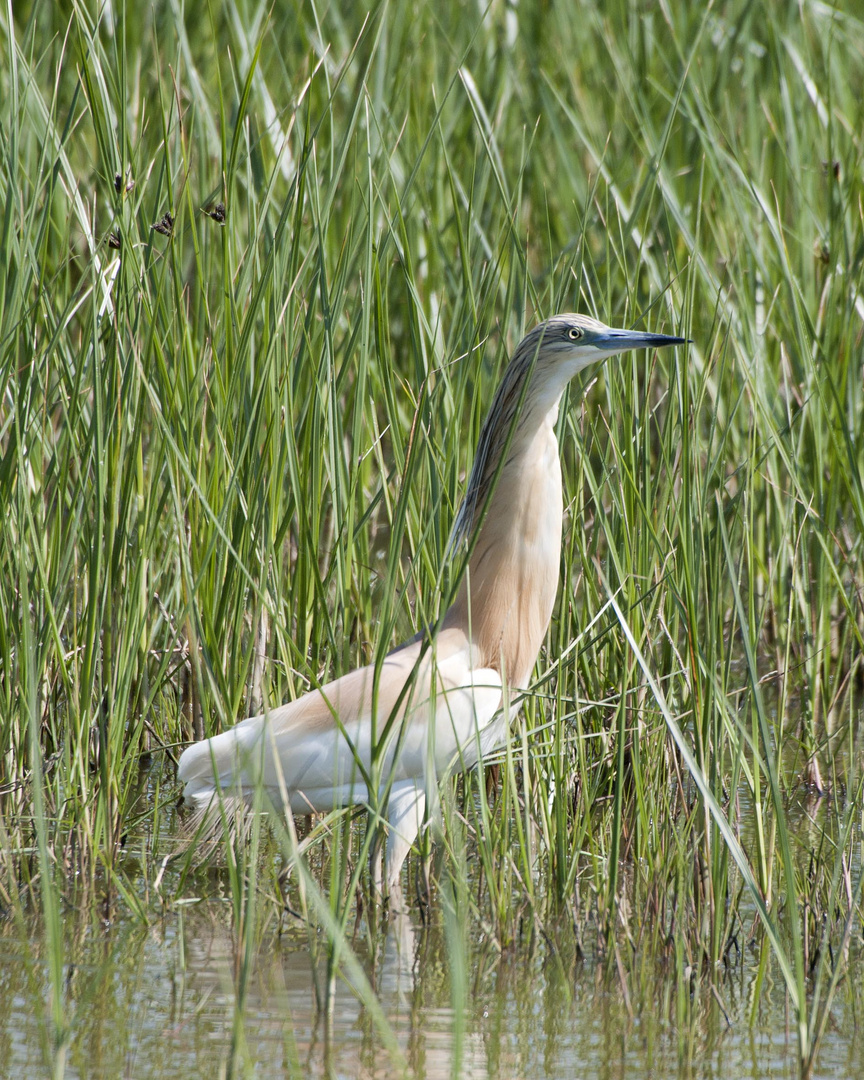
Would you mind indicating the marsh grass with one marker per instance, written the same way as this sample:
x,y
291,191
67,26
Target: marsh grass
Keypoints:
x,y
231,452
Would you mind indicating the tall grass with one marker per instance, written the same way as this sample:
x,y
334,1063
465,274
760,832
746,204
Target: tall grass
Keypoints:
x,y
231,450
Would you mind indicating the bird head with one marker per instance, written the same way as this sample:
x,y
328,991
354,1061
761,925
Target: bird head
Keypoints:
x,y
562,346
583,340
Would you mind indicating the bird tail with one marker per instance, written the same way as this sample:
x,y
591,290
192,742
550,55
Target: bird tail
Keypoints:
x,y
224,763
219,785
226,822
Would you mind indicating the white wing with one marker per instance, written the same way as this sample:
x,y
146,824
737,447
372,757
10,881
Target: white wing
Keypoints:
x,y
327,745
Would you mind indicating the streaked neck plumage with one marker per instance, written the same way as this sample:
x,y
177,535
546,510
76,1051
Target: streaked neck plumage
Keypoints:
x,y
507,593
506,596
508,590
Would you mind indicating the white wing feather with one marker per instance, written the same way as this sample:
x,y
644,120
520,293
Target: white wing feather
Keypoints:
x,y
317,744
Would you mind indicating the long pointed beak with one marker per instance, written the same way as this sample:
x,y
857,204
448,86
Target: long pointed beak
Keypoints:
x,y
621,340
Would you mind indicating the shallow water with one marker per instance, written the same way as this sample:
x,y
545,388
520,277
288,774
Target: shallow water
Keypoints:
x,y
160,1001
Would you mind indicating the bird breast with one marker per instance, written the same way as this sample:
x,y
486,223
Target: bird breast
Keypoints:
x,y
506,598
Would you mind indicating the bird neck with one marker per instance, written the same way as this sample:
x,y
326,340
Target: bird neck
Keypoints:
x,y
506,596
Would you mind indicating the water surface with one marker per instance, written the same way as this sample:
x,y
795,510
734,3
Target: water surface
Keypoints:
x,y
160,1001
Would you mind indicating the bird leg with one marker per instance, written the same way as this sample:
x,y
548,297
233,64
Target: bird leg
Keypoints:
x,y
405,816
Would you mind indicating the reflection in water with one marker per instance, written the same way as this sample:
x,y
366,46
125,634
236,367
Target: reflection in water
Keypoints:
x,y
284,1032
159,1001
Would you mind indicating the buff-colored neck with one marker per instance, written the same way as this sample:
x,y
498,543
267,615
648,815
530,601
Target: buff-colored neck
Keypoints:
x,y
507,593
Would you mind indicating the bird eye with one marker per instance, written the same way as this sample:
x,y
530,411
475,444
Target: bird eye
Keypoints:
x,y
574,333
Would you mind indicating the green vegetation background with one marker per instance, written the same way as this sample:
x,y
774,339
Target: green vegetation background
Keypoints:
x,y
231,447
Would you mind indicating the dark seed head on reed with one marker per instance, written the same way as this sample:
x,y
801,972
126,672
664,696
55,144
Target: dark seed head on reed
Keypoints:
x,y
215,211
165,225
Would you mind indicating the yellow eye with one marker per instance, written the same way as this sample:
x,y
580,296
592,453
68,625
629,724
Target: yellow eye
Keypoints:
x,y
574,333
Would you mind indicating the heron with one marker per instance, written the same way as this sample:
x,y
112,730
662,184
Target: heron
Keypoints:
x,y
386,734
